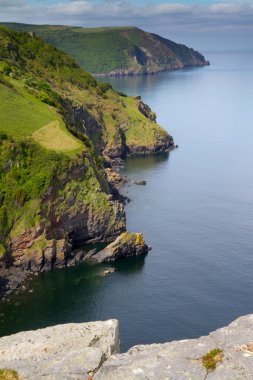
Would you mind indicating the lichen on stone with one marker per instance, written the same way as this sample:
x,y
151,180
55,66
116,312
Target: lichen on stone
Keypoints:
x,y
211,359
8,374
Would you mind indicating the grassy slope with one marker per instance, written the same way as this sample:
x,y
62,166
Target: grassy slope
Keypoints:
x,y
123,49
67,79
24,115
26,168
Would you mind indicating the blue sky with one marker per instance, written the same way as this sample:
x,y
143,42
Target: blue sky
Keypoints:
x,y
151,1
204,25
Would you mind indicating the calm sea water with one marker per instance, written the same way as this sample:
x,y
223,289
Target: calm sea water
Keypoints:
x,y
196,211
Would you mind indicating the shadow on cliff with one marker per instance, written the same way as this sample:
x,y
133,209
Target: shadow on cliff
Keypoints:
x,y
130,265
66,295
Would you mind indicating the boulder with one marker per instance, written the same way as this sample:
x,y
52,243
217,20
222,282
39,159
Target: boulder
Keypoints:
x,y
140,182
126,245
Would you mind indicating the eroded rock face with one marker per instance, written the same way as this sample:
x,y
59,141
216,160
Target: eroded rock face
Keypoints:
x,y
68,221
82,123
183,359
126,245
71,351
146,111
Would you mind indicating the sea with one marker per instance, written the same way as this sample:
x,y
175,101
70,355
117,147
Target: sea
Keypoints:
x,y
196,211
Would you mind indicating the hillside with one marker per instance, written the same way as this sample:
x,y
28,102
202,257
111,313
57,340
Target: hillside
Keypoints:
x,y
117,50
60,130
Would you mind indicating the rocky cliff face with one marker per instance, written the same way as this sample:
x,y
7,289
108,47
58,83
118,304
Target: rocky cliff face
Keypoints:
x,y
55,197
89,351
85,123
69,217
126,245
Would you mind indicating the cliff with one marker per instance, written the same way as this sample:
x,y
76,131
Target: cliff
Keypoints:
x,y
117,50
60,132
89,351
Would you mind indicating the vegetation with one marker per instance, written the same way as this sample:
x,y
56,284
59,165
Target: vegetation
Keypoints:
x,y
54,136
211,359
116,50
26,170
43,82
8,374
57,126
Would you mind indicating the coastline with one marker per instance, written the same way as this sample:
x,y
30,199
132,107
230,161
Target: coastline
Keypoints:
x,y
91,351
147,73
13,277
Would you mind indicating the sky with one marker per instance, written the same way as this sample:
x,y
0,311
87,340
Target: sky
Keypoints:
x,y
204,25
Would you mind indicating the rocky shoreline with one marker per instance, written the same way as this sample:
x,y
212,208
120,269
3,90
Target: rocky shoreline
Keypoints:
x,y
59,254
131,73
90,351
13,278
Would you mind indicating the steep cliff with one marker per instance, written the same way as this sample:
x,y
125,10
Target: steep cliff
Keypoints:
x,y
59,129
117,50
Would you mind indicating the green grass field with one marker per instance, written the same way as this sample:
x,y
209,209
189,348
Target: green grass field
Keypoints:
x,y
55,136
23,115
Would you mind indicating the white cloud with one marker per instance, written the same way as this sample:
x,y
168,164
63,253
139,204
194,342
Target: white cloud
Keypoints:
x,y
14,4
224,8
169,19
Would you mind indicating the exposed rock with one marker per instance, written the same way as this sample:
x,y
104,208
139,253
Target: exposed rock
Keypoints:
x,y
90,351
50,244
116,181
146,111
163,144
90,254
140,182
107,271
12,279
183,359
25,239
82,123
126,245
71,351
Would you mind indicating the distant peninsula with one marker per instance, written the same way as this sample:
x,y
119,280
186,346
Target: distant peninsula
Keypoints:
x,y
117,51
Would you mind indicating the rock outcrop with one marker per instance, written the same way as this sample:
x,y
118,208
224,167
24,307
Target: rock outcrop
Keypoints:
x,y
67,221
126,245
146,111
89,351
184,359
71,351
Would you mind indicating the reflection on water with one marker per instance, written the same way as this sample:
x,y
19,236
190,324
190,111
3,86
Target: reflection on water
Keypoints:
x,y
64,295
129,266
134,164
134,85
